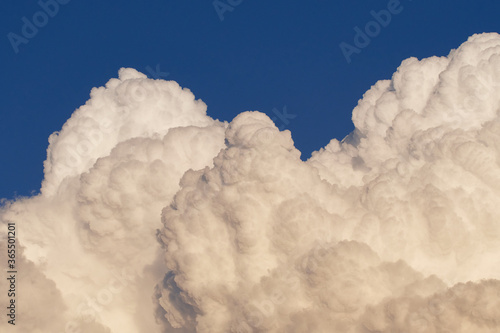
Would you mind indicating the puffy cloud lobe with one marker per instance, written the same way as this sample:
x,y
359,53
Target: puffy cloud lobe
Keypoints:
x,y
127,190
469,307
427,142
92,230
153,217
370,235
128,107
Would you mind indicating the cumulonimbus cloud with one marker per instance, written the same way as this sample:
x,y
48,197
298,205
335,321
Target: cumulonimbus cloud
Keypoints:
x,y
153,217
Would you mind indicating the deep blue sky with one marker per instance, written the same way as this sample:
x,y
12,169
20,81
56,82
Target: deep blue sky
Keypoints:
x,y
263,55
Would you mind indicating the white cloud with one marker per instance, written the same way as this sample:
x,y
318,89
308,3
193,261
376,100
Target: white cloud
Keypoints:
x,y
394,228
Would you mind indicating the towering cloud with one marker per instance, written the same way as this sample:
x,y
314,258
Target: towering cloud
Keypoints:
x,y
153,217
109,172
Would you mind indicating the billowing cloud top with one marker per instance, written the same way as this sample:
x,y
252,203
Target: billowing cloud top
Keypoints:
x,y
153,217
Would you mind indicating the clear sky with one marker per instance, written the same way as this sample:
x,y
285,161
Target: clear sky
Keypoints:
x,y
234,55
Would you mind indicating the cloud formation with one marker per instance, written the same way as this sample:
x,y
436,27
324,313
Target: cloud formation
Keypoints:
x,y
153,217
